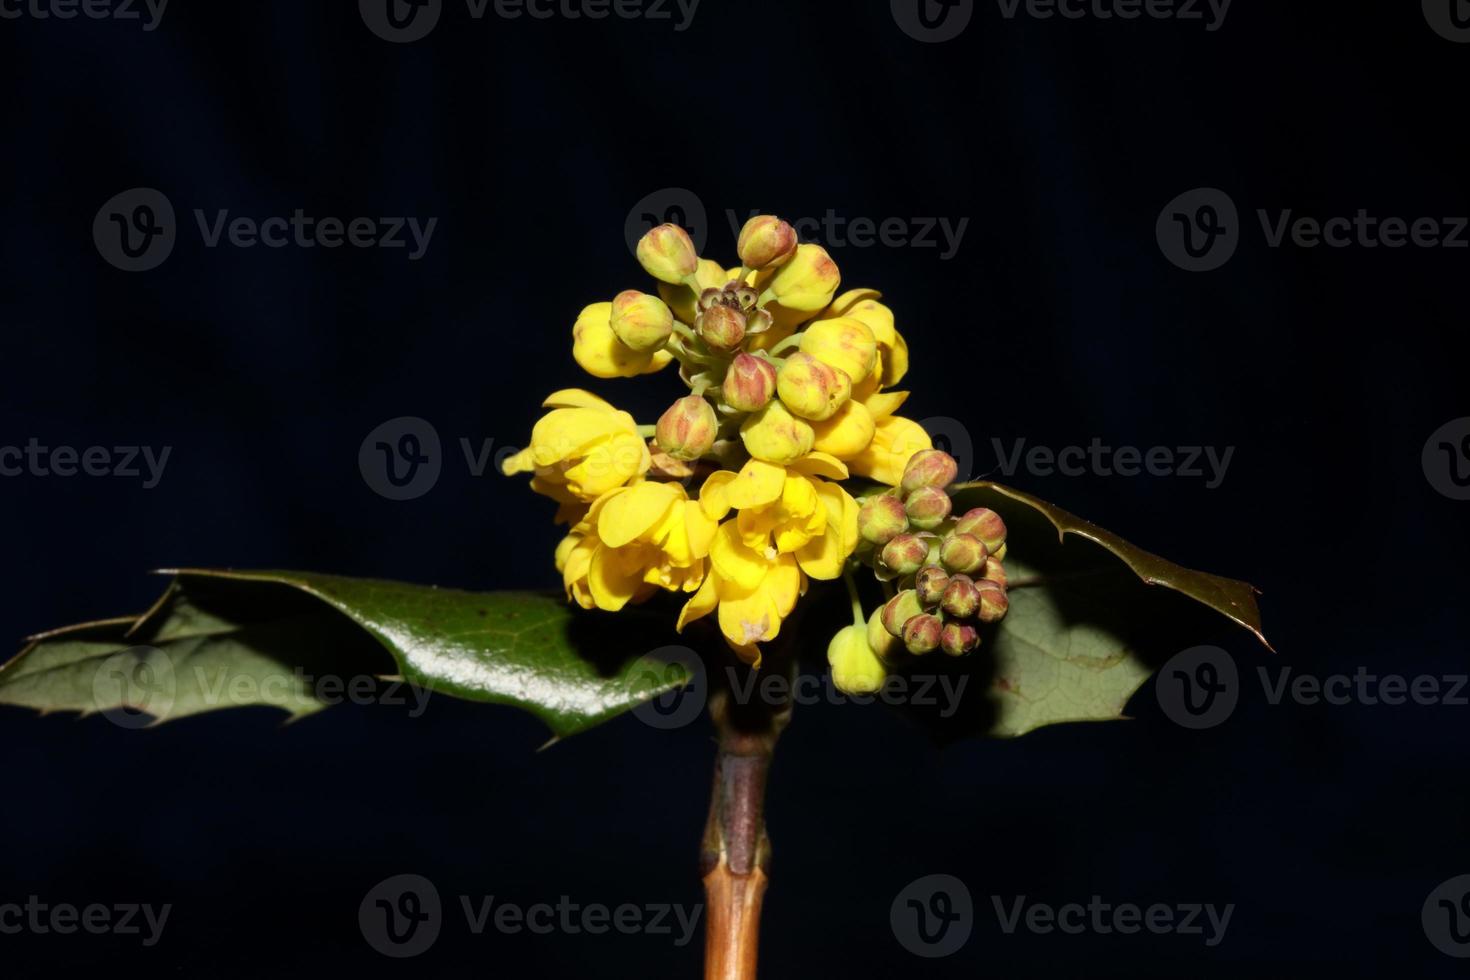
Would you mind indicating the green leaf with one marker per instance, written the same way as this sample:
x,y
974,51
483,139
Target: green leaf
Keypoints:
x,y
292,640
1091,617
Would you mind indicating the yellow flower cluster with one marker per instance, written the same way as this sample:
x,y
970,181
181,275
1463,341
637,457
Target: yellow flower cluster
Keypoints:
x,y
789,395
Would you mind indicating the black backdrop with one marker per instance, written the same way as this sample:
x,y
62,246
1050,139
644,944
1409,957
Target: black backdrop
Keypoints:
x,y
1057,320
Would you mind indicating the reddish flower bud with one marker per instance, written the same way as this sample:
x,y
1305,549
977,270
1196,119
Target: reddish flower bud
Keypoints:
x,y
961,597
765,240
994,571
927,507
993,602
722,328
687,430
905,554
986,525
881,519
958,639
963,553
929,468
750,383
922,633
899,610
930,583
667,253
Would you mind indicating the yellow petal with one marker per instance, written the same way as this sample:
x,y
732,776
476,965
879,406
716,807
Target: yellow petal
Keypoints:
x,y
894,441
632,512
601,354
522,462
575,398
736,563
881,406
758,483
701,604
713,498
608,465
749,618
844,435
845,343
820,464
614,578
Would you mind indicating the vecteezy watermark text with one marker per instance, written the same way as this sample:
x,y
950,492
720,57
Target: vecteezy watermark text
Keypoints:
x,y
64,919
148,12
1096,459
406,21
1105,918
37,460
839,231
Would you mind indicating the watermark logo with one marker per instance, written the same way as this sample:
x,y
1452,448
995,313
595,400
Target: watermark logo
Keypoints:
x,y
1199,687
932,21
667,206
401,21
933,916
148,12
1450,19
1446,459
401,459
1446,917
134,687
678,707
136,230
401,916
953,436
1199,230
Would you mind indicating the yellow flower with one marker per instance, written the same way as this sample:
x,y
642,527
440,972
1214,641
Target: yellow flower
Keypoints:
x,y
892,362
776,436
634,541
894,440
844,342
753,593
580,450
597,348
789,510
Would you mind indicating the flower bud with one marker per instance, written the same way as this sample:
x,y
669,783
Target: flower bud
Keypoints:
x,y
881,641
958,639
905,554
807,282
667,253
961,597
774,435
844,343
994,571
641,321
750,383
899,610
963,553
993,602
986,525
765,240
930,583
810,388
929,468
922,633
927,507
722,328
856,668
881,519
687,430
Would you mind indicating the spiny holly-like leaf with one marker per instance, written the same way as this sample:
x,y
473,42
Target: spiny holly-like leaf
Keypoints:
x,y
221,639
1091,617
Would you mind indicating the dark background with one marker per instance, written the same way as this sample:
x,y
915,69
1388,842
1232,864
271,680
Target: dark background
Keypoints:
x,y
1058,320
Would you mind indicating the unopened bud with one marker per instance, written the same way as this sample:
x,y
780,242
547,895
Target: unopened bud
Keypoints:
x,y
994,571
765,240
961,597
929,468
722,328
808,281
687,430
856,668
844,342
993,602
881,641
774,435
963,553
905,554
899,610
927,507
881,519
750,383
922,633
812,389
986,525
641,321
930,583
958,639
667,253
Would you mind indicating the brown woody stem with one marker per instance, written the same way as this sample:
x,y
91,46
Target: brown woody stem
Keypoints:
x,y
735,856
